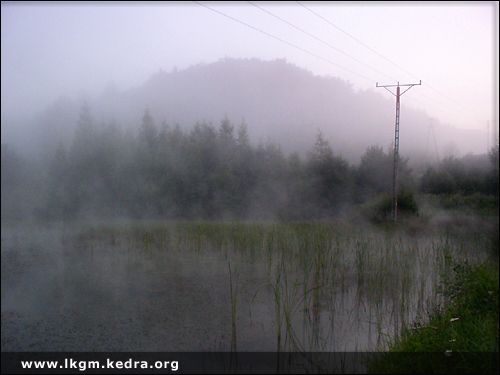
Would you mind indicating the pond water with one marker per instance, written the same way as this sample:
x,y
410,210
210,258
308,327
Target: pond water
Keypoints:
x,y
180,286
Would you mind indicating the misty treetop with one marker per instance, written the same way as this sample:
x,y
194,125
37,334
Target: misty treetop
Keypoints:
x,y
281,102
207,172
464,176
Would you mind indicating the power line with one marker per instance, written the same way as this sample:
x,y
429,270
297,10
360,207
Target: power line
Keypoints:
x,y
283,41
289,43
354,38
378,54
318,39
333,47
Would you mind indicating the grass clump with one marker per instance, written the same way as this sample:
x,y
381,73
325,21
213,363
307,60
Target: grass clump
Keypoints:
x,y
461,337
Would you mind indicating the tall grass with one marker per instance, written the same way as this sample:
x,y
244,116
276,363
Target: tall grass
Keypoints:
x,y
233,296
463,334
328,281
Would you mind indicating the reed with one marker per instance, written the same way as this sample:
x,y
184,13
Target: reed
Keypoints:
x,y
319,274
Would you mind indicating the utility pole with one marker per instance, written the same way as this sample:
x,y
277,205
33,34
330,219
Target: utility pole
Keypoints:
x,y
396,143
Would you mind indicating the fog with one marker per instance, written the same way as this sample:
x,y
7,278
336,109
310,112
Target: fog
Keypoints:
x,y
52,53
223,176
207,110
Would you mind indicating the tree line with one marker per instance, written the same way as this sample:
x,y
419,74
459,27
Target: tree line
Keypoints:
x,y
207,172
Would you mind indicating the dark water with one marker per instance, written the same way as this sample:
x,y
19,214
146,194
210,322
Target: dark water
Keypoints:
x,y
64,291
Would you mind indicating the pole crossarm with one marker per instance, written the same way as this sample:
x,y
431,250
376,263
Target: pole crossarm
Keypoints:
x,y
400,84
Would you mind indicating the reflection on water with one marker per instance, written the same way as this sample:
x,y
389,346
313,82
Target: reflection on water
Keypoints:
x,y
167,287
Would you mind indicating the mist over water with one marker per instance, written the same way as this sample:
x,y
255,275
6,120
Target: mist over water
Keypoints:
x,y
176,180
166,286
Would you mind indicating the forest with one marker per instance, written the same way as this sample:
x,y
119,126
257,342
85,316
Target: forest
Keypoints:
x,y
163,171
249,188
200,224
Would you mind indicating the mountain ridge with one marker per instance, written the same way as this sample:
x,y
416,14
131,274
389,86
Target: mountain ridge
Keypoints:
x,y
279,101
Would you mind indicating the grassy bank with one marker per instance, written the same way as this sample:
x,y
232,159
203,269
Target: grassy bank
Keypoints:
x,y
458,334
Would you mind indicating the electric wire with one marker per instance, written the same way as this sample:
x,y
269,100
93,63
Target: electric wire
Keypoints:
x,y
283,41
427,84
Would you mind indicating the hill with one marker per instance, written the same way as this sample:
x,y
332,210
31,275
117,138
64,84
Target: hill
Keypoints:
x,y
279,102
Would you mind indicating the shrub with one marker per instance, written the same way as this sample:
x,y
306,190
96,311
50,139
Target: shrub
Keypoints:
x,y
381,209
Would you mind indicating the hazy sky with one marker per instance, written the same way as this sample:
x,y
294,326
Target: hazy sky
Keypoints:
x,y
54,49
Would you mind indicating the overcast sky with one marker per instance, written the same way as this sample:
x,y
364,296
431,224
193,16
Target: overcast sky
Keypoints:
x,y
54,49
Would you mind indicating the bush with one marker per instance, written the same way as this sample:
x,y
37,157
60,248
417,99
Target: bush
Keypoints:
x,y
381,209
467,175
